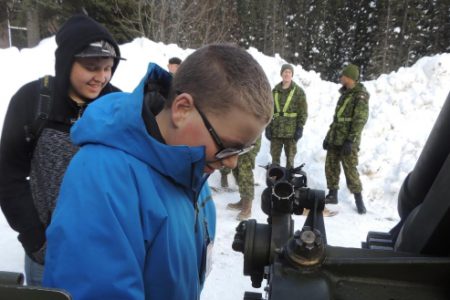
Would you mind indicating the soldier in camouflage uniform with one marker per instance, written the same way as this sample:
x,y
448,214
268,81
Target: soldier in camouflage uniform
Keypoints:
x,y
243,174
290,114
344,137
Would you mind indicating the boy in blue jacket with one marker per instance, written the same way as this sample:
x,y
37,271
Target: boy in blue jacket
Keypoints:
x,y
132,220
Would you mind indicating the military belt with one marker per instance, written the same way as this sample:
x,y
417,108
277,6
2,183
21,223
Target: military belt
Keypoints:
x,y
341,120
285,114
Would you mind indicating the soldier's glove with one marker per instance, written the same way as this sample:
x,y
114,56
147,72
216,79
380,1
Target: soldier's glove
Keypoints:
x,y
298,133
268,133
39,255
325,144
347,148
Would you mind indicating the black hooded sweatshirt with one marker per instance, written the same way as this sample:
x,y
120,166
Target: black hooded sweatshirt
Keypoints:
x,y
31,173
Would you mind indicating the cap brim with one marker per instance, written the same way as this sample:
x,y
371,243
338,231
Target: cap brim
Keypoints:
x,y
97,55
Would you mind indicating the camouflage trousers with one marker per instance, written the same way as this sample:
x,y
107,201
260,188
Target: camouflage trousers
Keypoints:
x,y
243,174
349,164
290,149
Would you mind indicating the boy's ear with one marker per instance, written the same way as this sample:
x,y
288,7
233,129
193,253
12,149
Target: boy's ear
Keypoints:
x,y
181,109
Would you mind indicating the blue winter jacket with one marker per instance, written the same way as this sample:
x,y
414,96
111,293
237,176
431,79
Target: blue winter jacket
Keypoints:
x,y
127,224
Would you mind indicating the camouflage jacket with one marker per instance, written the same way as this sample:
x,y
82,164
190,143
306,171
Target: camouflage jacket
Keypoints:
x,y
352,111
254,152
249,156
287,118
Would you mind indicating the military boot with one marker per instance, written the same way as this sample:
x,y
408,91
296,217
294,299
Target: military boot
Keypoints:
x,y
360,204
235,205
224,180
246,211
332,197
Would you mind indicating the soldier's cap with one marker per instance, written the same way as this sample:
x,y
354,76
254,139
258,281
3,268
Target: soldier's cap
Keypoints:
x,y
351,71
287,67
99,49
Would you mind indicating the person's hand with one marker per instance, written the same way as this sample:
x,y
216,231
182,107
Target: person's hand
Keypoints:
x,y
347,148
298,133
39,255
325,144
268,133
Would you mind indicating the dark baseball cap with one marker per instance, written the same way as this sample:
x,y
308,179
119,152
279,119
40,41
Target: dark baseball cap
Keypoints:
x,y
99,49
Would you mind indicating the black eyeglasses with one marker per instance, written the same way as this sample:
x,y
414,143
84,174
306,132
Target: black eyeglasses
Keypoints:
x,y
223,152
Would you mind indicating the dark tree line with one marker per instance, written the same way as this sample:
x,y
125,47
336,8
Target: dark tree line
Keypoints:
x,y
378,35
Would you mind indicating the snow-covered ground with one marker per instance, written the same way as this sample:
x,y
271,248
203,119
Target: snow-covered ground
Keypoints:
x,y
403,108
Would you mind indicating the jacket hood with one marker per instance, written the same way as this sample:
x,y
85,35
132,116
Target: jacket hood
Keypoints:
x,y
115,121
73,36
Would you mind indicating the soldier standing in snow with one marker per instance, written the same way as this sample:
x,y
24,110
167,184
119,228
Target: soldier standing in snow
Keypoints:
x,y
243,174
344,137
35,146
290,114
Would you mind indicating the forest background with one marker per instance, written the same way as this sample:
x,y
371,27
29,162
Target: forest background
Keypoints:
x,y
380,35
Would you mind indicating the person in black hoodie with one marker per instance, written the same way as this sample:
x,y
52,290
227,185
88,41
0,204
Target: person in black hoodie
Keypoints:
x,y
31,169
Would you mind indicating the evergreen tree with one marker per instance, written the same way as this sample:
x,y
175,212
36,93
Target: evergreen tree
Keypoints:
x,y
378,35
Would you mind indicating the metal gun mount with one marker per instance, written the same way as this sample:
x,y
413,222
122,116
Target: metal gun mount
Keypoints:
x,y
409,262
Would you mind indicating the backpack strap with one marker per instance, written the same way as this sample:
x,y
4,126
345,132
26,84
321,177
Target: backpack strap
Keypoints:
x,y
43,109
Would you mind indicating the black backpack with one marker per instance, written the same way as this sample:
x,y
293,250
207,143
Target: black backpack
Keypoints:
x,y
43,109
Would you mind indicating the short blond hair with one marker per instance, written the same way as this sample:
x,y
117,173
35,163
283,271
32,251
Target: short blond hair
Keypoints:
x,y
223,76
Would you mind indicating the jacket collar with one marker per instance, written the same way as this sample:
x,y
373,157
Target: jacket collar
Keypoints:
x,y
116,121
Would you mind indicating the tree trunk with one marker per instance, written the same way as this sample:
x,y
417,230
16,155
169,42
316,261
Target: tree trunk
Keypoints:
x,y
4,31
33,34
384,63
4,34
404,32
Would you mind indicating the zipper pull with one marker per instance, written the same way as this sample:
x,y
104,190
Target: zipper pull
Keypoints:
x,y
80,111
196,215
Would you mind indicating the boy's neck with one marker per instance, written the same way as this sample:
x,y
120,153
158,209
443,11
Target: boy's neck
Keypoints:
x,y
162,119
350,85
75,98
78,101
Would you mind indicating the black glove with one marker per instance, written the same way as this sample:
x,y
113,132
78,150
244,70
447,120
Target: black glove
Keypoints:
x,y
347,148
268,133
325,144
298,133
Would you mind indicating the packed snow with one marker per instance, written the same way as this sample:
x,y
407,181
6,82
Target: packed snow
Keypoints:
x,y
403,107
